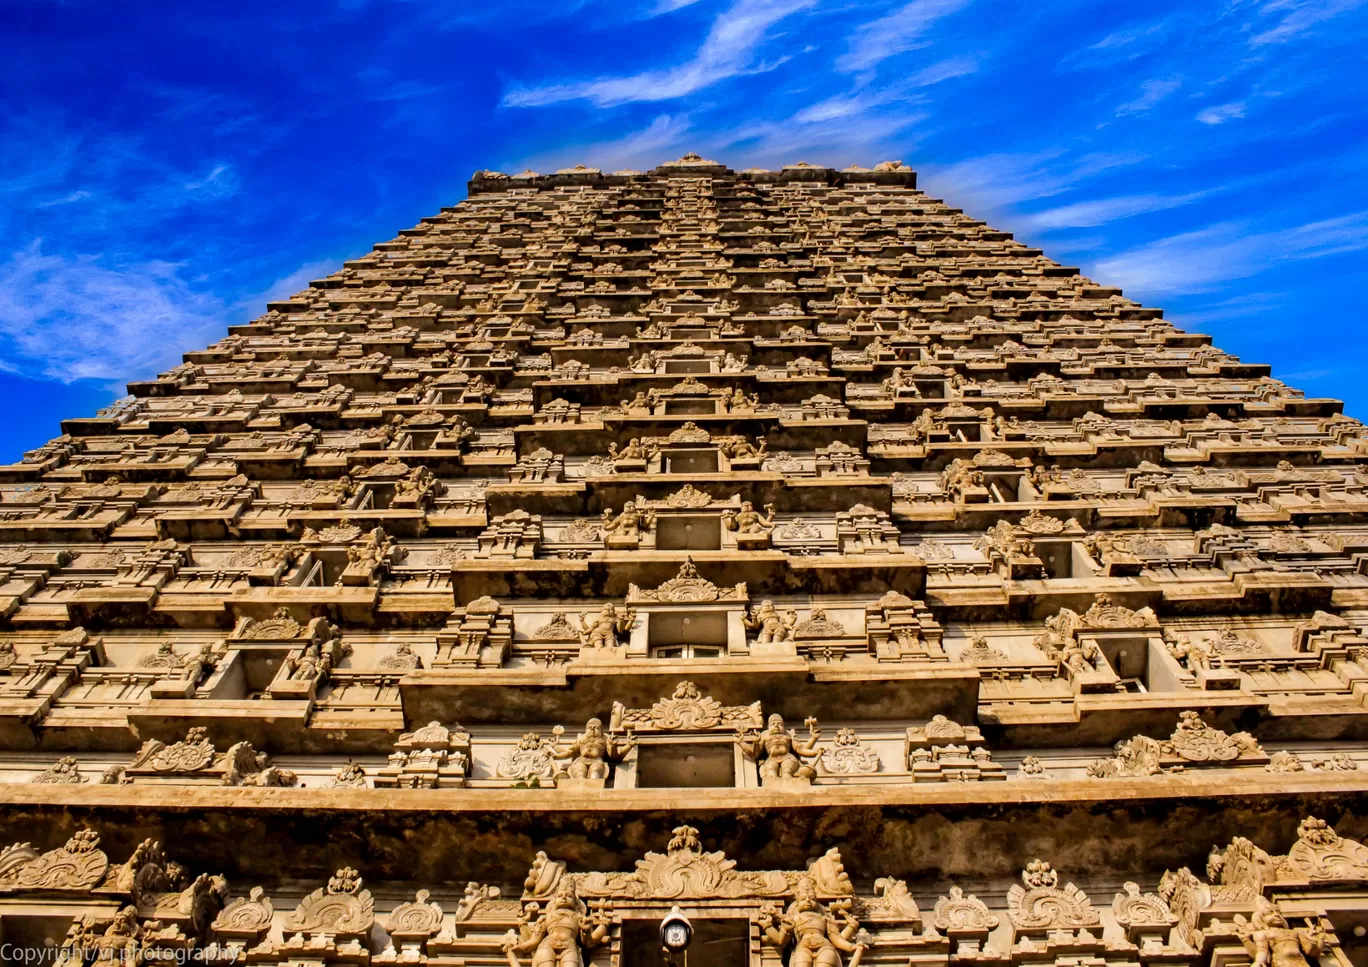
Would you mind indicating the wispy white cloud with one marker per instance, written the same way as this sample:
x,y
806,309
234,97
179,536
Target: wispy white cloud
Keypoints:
x,y
1298,16
1125,44
667,136
73,318
897,32
1220,113
945,70
1201,260
1100,211
69,317
670,6
995,183
729,51
1151,93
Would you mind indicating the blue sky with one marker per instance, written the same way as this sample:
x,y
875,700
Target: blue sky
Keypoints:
x,y
167,167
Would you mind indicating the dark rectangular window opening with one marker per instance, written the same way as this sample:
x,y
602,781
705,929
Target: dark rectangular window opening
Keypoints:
x,y
688,533
717,942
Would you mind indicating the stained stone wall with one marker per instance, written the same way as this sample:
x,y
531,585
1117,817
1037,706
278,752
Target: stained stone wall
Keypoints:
x,y
788,546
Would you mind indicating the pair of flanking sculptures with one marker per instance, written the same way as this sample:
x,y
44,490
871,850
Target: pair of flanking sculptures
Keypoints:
x,y
815,935
592,753
558,935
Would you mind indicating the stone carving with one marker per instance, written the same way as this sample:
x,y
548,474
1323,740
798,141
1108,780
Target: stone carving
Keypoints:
x,y
778,750
958,913
770,624
980,652
1040,904
892,901
626,528
341,911
583,531
1322,854
684,871
818,936
1193,741
1196,741
278,626
1272,942
1105,613
1135,908
603,630
686,709
593,751
557,629
240,765
848,756
431,757
799,530
245,918
78,865
1284,761
1186,897
818,625
1031,768
350,776
748,522
401,658
65,771
532,758
417,919
687,586
563,931
945,751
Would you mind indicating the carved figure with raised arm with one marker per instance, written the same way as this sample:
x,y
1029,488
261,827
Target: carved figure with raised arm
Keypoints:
x,y
1274,943
560,935
593,752
603,631
817,935
778,750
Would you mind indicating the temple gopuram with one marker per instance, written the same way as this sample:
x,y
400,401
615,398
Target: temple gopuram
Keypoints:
x,y
785,549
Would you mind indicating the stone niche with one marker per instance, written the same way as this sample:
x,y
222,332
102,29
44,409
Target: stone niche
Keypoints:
x,y
689,617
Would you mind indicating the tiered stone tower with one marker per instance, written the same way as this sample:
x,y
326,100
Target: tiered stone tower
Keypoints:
x,y
926,603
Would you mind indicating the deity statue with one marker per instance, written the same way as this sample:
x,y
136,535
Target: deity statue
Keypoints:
x,y
1195,655
307,666
817,936
738,400
603,631
778,750
772,624
630,523
558,936
593,752
748,520
632,451
1273,943
899,384
745,450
